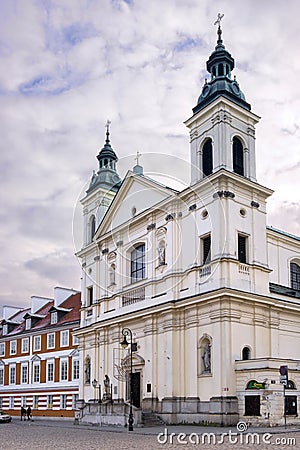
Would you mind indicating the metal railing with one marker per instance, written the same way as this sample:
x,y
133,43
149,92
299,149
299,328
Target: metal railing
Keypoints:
x,y
134,296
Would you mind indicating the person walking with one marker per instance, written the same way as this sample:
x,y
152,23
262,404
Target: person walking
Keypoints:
x,y
29,413
23,413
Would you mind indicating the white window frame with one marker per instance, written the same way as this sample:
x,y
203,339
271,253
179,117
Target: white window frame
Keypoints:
x,y
28,323
4,329
37,343
12,370
24,366
49,401
1,375
25,345
11,402
2,348
24,401
63,401
36,370
13,347
75,340
75,369
75,397
64,338
35,402
52,337
64,370
53,317
50,363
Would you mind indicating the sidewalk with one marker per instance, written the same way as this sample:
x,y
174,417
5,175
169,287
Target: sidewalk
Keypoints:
x,y
187,429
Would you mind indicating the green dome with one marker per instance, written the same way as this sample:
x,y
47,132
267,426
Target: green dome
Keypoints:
x,y
219,65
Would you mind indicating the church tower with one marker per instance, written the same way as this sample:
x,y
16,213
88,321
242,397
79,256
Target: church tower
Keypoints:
x,y
222,137
103,186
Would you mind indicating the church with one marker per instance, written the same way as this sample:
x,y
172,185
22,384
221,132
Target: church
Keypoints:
x,y
205,294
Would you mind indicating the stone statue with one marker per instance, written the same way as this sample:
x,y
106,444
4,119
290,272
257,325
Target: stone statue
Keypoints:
x,y
106,395
206,358
112,274
161,254
88,371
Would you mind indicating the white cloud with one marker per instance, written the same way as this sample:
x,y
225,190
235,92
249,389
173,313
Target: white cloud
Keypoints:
x,y
68,66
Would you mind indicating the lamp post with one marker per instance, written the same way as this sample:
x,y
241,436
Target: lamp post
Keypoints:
x,y
94,384
124,344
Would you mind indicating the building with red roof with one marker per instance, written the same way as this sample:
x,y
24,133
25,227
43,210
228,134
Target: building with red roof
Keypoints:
x,y
39,360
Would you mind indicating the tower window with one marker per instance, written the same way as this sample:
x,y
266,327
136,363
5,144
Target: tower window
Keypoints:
x,y
295,276
89,300
242,248
238,156
138,267
206,249
92,228
220,70
207,158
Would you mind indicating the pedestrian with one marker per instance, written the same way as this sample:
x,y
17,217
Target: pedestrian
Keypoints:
x,y
29,415
23,413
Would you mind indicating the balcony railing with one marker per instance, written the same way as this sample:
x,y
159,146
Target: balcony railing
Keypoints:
x,y
134,296
205,271
244,268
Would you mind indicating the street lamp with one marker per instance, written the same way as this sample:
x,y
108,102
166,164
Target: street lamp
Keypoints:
x,y
124,344
94,384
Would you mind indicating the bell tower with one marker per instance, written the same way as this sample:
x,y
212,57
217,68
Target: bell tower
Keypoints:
x,y
222,128
222,143
103,186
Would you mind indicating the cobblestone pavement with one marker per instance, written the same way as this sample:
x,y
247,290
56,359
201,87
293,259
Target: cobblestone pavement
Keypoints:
x,y
44,435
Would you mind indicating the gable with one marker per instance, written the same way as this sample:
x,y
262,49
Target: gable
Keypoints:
x,y
137,194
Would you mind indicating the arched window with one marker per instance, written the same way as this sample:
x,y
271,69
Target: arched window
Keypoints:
x,y
295,276
246,353
214,71
290,385
92,227
207,158
238,156
220,70
138,267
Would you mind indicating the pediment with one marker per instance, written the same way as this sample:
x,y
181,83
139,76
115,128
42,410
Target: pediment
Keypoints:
x,y
136,195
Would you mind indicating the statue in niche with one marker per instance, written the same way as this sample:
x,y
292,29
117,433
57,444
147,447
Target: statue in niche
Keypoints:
x,y
87,371
161,253
206,358
112,274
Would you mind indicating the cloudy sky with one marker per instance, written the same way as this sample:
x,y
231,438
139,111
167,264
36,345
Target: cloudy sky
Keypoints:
x,y
68,65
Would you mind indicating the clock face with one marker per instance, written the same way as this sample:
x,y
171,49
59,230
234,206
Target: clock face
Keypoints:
x,y
235,88
205,90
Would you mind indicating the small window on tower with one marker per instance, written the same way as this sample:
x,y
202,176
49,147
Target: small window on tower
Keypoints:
x,y
92,227
89,300
206,249
238,156
242,248
207,158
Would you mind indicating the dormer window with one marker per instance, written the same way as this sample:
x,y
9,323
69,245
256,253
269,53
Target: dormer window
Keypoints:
x,y
28,323
53,317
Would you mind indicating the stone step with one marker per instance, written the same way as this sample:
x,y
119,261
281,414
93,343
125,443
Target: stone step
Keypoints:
x,y
151,420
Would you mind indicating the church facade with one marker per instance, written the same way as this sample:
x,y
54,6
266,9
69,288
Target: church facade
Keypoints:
x,y
210,293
